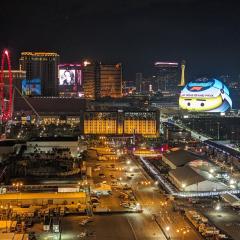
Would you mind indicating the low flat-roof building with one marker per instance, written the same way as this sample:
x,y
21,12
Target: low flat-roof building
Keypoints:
x,y
42,198
48,143
14,236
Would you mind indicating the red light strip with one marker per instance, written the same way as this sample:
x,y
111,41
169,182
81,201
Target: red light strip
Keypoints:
x,y
6,110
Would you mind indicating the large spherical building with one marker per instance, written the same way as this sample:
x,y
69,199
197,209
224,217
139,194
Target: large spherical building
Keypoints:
x,y
205,95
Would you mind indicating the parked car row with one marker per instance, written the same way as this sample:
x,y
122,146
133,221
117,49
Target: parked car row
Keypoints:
x,y
206,229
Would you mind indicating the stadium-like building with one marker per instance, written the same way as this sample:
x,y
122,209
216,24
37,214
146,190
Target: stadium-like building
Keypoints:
x,y
205,95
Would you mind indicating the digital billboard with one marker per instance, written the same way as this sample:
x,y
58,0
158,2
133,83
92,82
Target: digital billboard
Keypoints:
x,y
31,87
205,95
70,77
67,77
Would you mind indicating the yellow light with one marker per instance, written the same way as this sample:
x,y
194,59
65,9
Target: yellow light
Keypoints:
x,y
195,103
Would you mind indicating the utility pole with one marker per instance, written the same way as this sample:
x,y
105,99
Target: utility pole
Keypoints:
x,y
218,130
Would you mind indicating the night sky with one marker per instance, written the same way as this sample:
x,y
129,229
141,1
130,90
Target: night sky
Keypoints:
x,y
135,32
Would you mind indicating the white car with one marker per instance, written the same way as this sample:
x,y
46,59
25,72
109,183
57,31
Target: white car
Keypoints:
x,y
82,235
85,221
97,169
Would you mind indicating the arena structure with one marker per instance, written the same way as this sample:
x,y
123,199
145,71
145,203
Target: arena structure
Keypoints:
x,y
205,95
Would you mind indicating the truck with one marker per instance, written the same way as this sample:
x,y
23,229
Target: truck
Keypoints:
x,y
46,223
56,225
210,231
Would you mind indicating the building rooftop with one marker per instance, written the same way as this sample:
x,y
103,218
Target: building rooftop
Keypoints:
x,y
180,157
46,195
45,54
186,175
10,142
53,139
49,105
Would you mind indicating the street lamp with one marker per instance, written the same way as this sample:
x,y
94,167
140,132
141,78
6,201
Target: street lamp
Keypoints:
x,y
211,170
138,207
218,130
167,230
218,207
232,181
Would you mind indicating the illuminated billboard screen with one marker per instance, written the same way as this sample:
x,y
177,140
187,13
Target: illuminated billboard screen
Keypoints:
x,y
31,87
205,95
70,77
67,77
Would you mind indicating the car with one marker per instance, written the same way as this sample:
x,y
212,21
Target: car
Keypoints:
x,y
82,235
125,205
95,200
102,175
94,196
29,223
95,204
85,221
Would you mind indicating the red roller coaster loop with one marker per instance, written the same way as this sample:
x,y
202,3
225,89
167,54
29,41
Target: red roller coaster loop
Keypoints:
x,y
6,106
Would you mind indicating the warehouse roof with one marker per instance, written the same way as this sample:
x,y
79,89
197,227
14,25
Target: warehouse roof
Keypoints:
x,y
186,175
46,195
180,157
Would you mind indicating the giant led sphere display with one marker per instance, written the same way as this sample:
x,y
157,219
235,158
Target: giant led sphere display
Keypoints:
x,y
205,95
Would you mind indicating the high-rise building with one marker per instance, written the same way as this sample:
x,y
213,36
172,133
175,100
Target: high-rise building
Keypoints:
x,y
139,79
42,68
102,80
167,76
91,79
110,80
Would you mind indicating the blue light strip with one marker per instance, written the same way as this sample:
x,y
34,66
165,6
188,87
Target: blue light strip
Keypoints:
x,y
157,176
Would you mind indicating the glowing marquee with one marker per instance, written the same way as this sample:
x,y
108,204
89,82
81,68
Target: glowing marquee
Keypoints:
x,y
205,95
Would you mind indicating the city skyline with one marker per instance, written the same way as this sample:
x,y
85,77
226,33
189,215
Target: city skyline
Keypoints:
x,y
120,120
136,33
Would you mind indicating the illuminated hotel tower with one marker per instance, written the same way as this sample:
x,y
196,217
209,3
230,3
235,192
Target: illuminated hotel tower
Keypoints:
x,y
42,66
183,64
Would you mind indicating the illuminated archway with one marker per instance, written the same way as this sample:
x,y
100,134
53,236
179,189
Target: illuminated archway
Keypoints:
x,y
6,105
